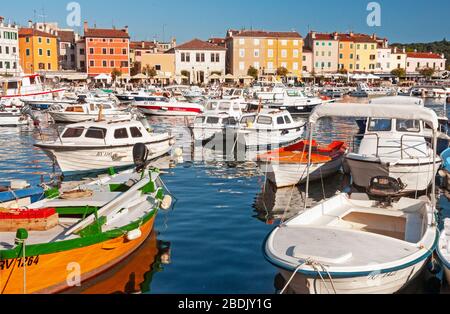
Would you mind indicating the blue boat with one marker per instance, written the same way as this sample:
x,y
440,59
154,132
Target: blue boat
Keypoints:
x,y
7,194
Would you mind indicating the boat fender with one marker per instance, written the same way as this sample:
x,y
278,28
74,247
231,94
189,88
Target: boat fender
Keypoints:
x,y
134,234
166,203
178,152
172,142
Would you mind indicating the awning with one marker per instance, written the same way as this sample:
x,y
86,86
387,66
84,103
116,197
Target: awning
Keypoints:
x,y
139,76
375,110
215,77
103,77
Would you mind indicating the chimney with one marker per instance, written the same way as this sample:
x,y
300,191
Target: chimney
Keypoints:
x,y
126,29
404,50
374,36
313,35
351,34
335,36
1,19
30,23
85,26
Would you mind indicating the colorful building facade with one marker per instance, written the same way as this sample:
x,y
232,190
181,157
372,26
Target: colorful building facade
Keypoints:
x,y
265,51
325,47
417,61
106,50
38,51
9,48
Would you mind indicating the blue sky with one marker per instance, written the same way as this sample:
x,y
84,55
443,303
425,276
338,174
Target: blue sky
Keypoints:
x,y
401,20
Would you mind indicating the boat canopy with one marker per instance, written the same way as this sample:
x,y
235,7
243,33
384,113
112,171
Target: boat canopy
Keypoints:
x,y
380,111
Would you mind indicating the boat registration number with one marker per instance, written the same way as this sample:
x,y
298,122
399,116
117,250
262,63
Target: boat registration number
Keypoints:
x,y
105,154
19,262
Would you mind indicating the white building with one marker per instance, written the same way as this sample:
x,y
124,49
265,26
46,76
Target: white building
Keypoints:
x,y
390,58
67,49
200,59
80,55
9,48
417,61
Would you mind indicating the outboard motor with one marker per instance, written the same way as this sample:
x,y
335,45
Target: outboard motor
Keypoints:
x,y
140,156
385,188
27,111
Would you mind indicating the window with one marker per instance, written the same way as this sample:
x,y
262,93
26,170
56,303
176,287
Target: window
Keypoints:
x,y
270,53
49,66
280,120
92,63
248,119
284,53
7,50
408,126
82,52
341,56
104,63
351,46
329,64
329,53
295,66
380,125
104,51
295,42
256,65
97,133
351,56
270,42
40,40
124,64
256,53
212,120
295,53
121,133
111,51
91,51
27,39
341,46
242,53
158,67
264,120
27,52
73,132
217,57
135,133
241,41
41,52
284,65
256,42
48,41
124,51
112,64
49,53
284,43
270,65
183,57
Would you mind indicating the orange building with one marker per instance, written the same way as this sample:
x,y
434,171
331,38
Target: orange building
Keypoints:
x,y
106,50
38,51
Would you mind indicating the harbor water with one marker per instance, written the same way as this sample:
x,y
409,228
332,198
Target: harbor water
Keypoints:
x,y
211,241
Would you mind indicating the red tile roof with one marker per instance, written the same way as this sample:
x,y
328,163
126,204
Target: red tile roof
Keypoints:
x,y
144,45
424,55
247,33
106,33
197,44
217,41
66,36
23,32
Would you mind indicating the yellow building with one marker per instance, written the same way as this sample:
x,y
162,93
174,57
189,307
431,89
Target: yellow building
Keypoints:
x,y
265,51
163,63
366,53
347,53
38,51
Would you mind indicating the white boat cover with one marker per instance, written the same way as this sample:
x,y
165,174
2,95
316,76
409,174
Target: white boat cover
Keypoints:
x,y
381,111
398,100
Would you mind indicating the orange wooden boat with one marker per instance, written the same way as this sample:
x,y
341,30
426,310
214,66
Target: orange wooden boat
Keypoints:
x,y
288,166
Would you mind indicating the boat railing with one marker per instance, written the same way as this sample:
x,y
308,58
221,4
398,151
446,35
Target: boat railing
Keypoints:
x,y
402,140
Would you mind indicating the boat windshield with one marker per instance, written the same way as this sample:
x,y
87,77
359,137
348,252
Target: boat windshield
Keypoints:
x,y
199,120
380,125
211,105
248,119
408,126
73,132
224,106
97,133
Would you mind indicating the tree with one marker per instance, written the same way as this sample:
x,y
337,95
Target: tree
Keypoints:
x,y
136,69
115,73
149,71
253,72
400,73
342,71
427,72
282,71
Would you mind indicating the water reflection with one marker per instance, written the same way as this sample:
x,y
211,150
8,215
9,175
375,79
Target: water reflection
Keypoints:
x,y
135,274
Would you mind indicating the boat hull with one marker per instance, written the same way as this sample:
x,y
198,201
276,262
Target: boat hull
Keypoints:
x,y
289,174
416,177
177,111
374,283
264,140
84,160
52,273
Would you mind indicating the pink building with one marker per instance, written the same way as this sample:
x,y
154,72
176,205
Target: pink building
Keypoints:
x,y
416,61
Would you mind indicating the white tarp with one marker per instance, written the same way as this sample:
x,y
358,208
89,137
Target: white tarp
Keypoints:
x,y
382,111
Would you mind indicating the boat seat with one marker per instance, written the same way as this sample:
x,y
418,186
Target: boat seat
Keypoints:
x,y
98,199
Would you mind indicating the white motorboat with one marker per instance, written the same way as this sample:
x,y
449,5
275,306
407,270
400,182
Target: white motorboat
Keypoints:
x,y
45,104
265,129
443,249
395,148
12,117
351,244
163,106
26,88
87,111
218,114
96,146
292,100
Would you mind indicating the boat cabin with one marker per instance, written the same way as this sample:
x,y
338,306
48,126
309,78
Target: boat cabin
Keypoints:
x,y
268,119
104,133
